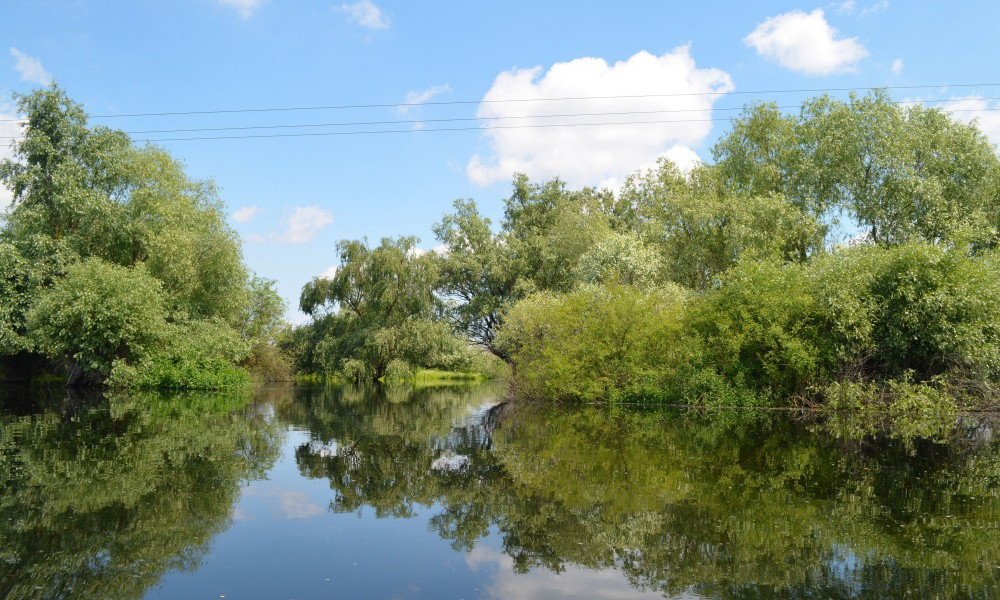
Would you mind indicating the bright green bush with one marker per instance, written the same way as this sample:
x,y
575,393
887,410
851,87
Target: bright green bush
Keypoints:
x,y
914,312
607,342
200,354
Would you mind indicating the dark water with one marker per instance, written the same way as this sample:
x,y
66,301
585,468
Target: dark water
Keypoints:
x,y
439,493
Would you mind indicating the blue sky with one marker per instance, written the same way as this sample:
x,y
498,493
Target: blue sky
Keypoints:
x,y
292,198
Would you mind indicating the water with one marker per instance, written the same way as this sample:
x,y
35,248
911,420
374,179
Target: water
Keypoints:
x,y
445,493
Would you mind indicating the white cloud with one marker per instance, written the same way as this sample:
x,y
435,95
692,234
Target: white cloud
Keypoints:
x,y
969,108
245,8
806,43
366,14
850,7
9,130
247,213
897,66
329,273
845,8
878,7
304,224
30,68
589,155
417,97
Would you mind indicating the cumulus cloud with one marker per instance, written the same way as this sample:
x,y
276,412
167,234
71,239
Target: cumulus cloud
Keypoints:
x,y
245,214
897,66
366,14
329,273
244,8
667,88
985,112
304,224
9,130
30,68
806,43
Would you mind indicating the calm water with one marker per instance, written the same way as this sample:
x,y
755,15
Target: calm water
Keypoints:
x,y
441,493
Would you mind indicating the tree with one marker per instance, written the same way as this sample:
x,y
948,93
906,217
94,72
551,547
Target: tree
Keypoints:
x,y
902,172
479,273
701,228
87,196
546,229
372,306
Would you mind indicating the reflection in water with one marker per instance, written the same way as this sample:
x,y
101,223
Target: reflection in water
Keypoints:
x,y
727,504
102,498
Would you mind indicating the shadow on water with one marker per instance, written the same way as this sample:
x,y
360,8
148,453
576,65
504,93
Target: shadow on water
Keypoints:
x,y
103,496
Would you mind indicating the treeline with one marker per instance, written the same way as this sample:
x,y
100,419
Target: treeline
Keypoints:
x,y
117,268
728,284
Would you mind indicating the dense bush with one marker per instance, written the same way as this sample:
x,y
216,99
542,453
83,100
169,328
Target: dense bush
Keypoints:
x,y
599,342
918,322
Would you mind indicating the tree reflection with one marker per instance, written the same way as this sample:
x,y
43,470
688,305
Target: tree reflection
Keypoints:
x,y
102,496
728,504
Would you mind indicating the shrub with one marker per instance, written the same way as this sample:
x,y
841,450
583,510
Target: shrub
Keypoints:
x,y
608,342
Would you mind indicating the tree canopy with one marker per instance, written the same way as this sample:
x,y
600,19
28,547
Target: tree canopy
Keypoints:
x,y
96,219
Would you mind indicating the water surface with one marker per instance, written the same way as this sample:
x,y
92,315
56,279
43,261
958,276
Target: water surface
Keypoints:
x,y
302,493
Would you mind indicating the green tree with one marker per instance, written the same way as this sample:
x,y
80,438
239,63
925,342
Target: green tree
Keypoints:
x,y
375,312
902,172
701,228
546,230
479,273
87,195
599,343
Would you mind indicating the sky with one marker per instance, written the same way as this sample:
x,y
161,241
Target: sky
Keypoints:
x,y
462,94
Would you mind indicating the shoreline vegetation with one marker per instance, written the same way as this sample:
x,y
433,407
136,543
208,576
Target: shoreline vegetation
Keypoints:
x,y
844,257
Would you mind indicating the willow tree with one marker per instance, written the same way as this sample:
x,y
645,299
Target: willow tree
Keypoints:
x,y
901,172
375,316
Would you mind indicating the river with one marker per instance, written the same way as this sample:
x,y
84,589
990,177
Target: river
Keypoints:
x,y
304,493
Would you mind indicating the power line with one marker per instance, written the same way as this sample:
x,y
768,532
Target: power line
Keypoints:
x,y
513,100
481,128
467,119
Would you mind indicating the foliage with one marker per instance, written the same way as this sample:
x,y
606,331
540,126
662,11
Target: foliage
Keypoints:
x,y
87,202
373,318
478,272
902,172
570,288
546,230
622,259
15,288
607,342
701,228
97,313
914,311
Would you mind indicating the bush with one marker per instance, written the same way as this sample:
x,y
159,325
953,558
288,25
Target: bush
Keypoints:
x,y
915,312
609,342
97,313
